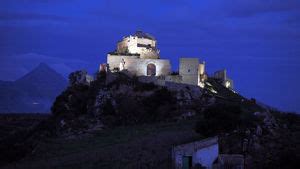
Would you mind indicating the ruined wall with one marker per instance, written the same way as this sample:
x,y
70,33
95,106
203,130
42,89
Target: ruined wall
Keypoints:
x,y
221,74
188,69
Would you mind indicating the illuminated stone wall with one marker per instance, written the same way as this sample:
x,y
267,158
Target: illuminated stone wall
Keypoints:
x,y
222,75
130,45
202,77
201,69
115,60
139,66
135,52
188,69
228,83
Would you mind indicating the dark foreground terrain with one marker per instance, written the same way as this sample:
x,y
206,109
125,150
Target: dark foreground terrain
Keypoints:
x,y
139,146
15,129
12,123
144,146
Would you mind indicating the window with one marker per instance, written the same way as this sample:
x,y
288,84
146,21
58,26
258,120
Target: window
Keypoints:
x,y
151,69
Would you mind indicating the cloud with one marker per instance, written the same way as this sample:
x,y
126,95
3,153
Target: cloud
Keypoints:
x,y
248,8
31,16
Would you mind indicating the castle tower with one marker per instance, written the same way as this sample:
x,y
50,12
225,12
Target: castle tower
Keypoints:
x,y
139,43
188,69
138,55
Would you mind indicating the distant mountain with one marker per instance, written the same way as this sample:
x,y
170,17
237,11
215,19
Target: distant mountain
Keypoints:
x,y
34,92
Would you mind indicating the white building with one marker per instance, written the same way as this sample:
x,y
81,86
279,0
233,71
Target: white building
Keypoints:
x,y
139,55
203,152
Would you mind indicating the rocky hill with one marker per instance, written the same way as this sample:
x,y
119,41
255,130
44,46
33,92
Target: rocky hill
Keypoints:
x,y
117,99
117,120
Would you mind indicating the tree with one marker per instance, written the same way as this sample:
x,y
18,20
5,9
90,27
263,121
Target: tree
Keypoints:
x,y
219,119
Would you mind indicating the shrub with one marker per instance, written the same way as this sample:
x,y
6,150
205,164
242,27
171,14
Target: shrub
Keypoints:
x,y
223,118
72,101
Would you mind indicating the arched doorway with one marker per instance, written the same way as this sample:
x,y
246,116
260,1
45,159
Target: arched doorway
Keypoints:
x,y
151,69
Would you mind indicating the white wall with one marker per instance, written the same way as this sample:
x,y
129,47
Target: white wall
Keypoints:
x,y
206,156
139,66
203,152
188,69
131,42
146,41
115,60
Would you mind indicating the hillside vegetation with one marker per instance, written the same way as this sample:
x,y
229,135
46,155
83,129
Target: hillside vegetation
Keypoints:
x,y
117,121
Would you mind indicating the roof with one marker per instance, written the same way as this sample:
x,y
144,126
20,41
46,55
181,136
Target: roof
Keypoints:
x,y
141,34
196,145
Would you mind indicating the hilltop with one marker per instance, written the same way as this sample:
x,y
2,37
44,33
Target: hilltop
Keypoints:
x,y
117,120
116,99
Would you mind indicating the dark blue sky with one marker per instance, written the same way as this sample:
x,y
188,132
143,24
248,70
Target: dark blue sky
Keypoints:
x,y
257,41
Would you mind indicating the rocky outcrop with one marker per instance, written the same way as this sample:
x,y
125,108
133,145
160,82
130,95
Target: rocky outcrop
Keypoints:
x,y
79,77
271,143
115,99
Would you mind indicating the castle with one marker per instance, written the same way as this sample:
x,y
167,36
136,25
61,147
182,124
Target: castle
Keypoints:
x,y
138,54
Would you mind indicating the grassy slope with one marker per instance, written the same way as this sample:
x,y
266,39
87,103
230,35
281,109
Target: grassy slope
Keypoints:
x,y
124,147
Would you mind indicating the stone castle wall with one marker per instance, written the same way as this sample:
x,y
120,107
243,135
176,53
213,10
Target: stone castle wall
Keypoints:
x,y
188,69
130,45
115,60
139,66
221,74
138,54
